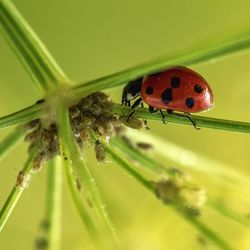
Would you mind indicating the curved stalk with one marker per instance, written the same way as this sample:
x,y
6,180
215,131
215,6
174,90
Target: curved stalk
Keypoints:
x,y
70,152
32,112
54,199
201,121
10,141
197,223
212,51
22,181
35,56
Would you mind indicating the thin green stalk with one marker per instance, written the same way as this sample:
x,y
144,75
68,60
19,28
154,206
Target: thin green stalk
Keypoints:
x,y
215,51
220,243
202,122
138,156
27,43
54,196
147,162
188,159
32,112
70,152
156,168
23,55
17,190
10,141
213,236
226,211
35,111
76,196
127,167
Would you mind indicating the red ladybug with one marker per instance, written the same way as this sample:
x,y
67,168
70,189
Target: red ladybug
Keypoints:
x,y
175,89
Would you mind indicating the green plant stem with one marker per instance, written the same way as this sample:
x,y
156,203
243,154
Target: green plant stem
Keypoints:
x,y
203,122
17,190
32,112
206,231
76,196
149,186
214,51
70,152
54,196
156,168
189,160
23,55
29,48
127,167
11,140
36,111
226,211
138,156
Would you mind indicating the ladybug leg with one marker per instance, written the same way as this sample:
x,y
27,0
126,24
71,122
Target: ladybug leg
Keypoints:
x,y
136,103
163,117
186,115
144,120
152,110
133,107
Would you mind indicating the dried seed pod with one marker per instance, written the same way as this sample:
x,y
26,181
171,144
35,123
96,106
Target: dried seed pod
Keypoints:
x,y
88,119
44,225
85,103
46,138
20,180
99,151
167,190
38,161
31,136
84,135
33,124
127,140
144,145
41,243
95,109
78,185
193,199
100,97
190,199
132,122
89,202
74,112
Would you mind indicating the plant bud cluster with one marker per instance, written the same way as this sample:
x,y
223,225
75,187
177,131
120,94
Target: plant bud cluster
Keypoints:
x,y
91,117
190,199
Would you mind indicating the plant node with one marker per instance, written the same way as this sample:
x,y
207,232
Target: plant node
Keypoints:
x,y
92,115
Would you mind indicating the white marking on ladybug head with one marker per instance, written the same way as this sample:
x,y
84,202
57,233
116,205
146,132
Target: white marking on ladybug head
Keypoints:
x,y
130,97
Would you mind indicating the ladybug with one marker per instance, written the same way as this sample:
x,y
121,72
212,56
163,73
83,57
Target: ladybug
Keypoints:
x,y
175,89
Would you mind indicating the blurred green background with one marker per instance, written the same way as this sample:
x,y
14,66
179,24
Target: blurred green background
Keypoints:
x,y
90,39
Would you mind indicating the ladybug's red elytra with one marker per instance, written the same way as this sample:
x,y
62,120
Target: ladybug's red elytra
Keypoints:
x,y
175,89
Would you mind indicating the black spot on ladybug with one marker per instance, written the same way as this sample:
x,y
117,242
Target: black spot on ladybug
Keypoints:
x,y
198,88
190,102
167,95
149,90
175,82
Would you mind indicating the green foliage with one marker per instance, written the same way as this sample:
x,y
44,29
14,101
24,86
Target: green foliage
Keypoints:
x,y
59,96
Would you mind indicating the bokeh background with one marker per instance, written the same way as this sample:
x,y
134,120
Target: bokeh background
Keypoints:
x,y
90,39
